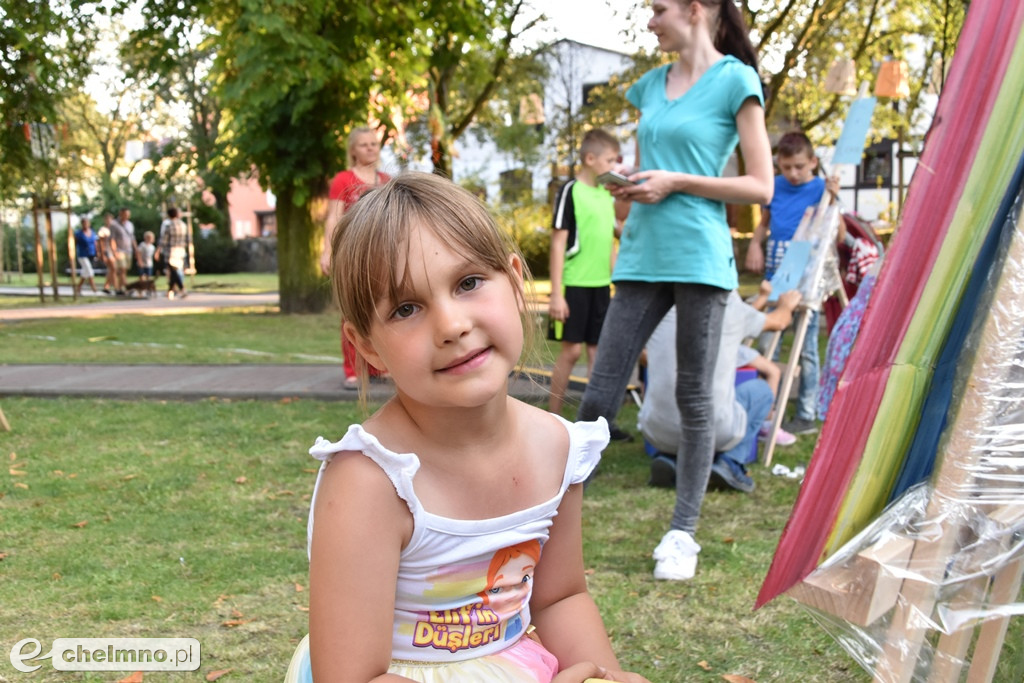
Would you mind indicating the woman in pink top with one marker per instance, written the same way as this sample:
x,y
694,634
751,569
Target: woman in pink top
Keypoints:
x,y
347,187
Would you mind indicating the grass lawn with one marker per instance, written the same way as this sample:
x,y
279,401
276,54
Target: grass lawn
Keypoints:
x,y
203,338
175,519
153,519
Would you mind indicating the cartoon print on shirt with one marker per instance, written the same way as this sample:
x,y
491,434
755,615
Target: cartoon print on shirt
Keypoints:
x,y
498,615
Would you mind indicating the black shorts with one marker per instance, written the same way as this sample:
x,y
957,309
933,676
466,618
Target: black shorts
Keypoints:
x,y
587,308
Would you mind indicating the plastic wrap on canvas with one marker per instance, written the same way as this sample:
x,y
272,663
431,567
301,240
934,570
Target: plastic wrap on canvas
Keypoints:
x,y
927,591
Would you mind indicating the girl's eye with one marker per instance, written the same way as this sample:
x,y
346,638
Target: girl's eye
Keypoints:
x,y
470,283
404,311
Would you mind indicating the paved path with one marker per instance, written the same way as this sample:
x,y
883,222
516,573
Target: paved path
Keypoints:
x,y
194,382
182,382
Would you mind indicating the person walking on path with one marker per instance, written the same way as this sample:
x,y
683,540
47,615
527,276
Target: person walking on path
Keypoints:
x,y
676,247
85,252
122,231
108,253
174,241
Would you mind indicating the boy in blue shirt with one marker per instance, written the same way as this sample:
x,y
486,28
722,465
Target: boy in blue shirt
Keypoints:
x,y
581,260
796,188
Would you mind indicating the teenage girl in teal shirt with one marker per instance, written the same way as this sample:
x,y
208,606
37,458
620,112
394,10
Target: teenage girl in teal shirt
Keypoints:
x,y
676,248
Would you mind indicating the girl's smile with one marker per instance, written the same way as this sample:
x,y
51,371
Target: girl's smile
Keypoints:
x,y
453,334
467,363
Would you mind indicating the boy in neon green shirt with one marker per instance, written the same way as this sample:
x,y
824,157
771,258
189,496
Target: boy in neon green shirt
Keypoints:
x,y
582,256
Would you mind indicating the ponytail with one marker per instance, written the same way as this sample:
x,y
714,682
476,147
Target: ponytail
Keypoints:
x,y
733,37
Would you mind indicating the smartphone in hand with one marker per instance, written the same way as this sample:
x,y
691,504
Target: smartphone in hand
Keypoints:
x,y
613,178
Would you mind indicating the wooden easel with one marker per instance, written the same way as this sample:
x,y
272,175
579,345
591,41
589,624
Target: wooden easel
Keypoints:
x,y
906,573
811,224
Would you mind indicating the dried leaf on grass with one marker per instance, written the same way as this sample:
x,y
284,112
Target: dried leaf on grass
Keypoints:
x,y
232,623
704,665
134,678
734,678
20,485
79,525
299,587
241,480
214,675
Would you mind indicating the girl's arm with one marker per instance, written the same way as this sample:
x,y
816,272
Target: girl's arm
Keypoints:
x,y
755,186
565,615
754,261
360,526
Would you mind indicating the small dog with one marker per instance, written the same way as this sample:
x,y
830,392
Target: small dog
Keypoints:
x,y
142,288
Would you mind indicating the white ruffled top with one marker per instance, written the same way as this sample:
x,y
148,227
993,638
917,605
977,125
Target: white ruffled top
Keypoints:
x,y
440,609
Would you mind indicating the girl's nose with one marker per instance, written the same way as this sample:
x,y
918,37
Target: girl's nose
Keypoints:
x,y
451,323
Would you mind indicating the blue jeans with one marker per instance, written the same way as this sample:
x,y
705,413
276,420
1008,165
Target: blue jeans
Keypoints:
x,y
635,310
756,398
807,393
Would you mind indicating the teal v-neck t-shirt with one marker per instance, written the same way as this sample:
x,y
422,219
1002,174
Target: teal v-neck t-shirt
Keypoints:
x,y
685,238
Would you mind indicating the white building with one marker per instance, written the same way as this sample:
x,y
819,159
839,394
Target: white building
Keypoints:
x,y
574,69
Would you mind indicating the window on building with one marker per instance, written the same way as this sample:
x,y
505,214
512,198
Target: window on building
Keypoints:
x,y
875,169
589,94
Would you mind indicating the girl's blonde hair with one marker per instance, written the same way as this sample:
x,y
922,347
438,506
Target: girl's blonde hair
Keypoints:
x,y
350,144
373,237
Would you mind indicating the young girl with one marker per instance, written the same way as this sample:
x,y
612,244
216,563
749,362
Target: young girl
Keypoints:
x,y
445,533
676,248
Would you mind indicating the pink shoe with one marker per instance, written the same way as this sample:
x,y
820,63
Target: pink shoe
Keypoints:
x,y
782,437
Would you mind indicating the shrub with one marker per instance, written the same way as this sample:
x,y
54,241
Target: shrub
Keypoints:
x,y
528,224
215,253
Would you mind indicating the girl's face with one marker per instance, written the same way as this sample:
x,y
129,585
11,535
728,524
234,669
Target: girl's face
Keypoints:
x,y
511,586
455,333
669,22
365,149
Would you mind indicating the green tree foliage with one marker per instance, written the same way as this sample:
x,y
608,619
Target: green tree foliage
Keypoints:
x,y
173,54
41,59
467,45
799,40
290,77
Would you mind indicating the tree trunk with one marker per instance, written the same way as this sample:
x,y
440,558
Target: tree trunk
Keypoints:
x,y
440,157
299,236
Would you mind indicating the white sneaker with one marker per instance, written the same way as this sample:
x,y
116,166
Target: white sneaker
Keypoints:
x,y
676,556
